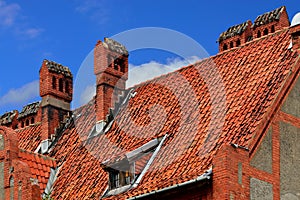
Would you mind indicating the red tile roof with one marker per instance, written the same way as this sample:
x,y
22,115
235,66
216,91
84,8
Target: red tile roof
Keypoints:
x,y
30,137
39,165
252,76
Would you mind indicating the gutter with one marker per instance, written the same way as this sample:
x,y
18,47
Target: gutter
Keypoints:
x,y
205,176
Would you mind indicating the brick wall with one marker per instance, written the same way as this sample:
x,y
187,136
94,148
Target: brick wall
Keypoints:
x,y
14,174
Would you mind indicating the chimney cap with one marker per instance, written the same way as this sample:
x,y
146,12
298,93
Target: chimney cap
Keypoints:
x,y
58,68
296,20
115,46
268,17
234,30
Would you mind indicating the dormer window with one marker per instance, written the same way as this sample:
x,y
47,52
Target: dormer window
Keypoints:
x,y
118,179
127,172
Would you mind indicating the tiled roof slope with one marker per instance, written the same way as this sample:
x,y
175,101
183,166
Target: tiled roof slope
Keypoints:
x,y
252,75
268,17
39,166
30,109
233,31
30,137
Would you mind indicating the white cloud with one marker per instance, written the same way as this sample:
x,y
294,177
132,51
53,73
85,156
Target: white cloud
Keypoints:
x,y
98,10
29,32
32,32
141,73
21,95
8,13
12,18
147,71
88,93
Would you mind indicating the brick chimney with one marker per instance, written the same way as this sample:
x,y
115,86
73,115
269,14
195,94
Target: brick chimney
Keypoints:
x,y
295,32
270,22
56,90
235,36
110,68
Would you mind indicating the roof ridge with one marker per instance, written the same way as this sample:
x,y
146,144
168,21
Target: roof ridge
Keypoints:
x,y
37,154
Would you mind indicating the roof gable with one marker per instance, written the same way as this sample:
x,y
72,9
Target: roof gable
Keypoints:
x,y
252,76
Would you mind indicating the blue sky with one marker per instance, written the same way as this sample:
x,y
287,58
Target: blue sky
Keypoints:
x,y
66,31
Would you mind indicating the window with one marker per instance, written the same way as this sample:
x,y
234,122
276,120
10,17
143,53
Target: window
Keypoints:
x,y
225,47
258,34
114,179
53,83
27,122
231,44
127,178
61,85
119,178
32,120
11,188
266,31
22,124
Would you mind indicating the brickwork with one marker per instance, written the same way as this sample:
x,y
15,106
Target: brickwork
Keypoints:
x,y
56,90
13,168
226,170
111,70
261,27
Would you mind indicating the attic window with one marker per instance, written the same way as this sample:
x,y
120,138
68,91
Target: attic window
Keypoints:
x,y
231,44
32,120
258,34
266,31
127,173
119,179
22,124
225,47
27,122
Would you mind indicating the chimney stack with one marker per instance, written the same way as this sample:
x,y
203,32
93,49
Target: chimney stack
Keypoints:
x,y
56,90
235,36
263,25
111,70
270,22
295,32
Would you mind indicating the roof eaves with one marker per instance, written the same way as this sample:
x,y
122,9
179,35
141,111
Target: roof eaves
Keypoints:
x,y
204,176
